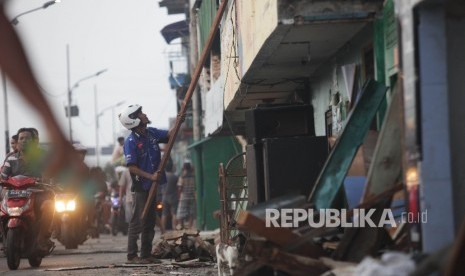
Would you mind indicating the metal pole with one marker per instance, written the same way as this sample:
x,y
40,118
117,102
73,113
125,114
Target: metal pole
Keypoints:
x,y
5,105
69,94
194,57
97,149
113,123
15,21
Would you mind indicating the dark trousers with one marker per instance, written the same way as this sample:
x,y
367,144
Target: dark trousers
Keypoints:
x,y
45,211
143,228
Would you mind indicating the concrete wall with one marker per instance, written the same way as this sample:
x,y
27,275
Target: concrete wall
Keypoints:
x,y
456,72
246,27
329,76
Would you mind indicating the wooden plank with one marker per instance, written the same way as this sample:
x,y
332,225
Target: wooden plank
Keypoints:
x,y
357,243
176,234
275,258
457,255
385,168
187,98
280,236
383,176
331,178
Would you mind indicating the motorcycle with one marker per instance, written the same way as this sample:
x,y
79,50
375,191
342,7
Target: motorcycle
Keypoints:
x,y
100,219
19,224
69,225
117,218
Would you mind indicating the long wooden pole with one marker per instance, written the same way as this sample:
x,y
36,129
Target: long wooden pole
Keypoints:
x,y
187,98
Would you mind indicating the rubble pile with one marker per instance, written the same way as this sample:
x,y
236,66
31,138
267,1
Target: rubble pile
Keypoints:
x,y
184,245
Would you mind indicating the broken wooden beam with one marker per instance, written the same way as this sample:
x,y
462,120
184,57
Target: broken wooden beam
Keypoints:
x,y
279,236
277,259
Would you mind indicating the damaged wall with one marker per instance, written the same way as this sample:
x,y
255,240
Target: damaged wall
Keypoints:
x,y
329,77
241,45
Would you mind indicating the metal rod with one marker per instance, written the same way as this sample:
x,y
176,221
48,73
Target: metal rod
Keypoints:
x,y
182,112
69,94
5,106
97,148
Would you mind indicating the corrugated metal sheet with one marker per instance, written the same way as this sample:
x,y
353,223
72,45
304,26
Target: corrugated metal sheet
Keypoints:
x,y
206,15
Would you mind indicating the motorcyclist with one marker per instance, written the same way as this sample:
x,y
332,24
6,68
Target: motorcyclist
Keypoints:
x,y
27,162
86,189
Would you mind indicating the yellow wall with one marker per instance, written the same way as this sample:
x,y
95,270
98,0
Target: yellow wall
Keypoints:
x,y
246,26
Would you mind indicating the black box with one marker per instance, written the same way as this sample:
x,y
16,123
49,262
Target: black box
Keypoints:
x,y
255,183
279,121
281,166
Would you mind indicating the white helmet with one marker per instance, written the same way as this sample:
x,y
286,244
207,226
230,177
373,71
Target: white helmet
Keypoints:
x,y
128,117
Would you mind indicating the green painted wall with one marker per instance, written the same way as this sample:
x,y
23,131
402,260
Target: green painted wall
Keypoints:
x,y
379,50
206,15
206,156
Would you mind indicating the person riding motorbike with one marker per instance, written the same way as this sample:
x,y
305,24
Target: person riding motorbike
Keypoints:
x,y
86,190
27,162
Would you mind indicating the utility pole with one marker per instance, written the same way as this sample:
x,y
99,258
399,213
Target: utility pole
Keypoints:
x,y
97,147
69,94
194,57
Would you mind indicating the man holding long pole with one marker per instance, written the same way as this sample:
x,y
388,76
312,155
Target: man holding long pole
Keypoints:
x,y
143,156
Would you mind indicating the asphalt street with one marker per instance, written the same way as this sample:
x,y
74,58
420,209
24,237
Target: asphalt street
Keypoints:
x,y
103,256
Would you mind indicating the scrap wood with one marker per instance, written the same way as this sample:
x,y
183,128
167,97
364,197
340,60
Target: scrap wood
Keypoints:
x,y
99,267
163,250
375,200
182,112
292,264
457,256
280,236
332,264
329,183
206,246
318,232
330,245
401,238
191,264
308,234
250,222
356,243
176,234
386,166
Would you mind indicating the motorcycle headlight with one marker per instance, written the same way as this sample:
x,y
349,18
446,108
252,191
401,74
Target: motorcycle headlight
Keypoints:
x,y
71,205
62,205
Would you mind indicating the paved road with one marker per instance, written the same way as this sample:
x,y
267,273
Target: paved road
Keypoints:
x,y
104,257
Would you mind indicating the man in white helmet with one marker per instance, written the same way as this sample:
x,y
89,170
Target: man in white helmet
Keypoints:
x,y
143,156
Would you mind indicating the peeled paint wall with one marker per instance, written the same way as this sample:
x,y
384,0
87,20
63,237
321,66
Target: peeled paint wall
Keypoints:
x,y
328,76
246,26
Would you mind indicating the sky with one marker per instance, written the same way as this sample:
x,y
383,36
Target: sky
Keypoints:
x,y
122,36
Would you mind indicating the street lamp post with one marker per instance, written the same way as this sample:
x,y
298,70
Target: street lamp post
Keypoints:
x,y
97,149
15,21
97,116
70,92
